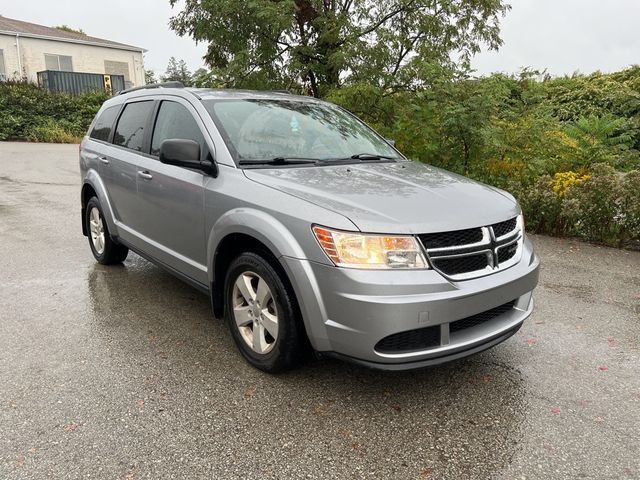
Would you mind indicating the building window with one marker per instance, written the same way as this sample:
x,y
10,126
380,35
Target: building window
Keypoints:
x,y
3,73
61,63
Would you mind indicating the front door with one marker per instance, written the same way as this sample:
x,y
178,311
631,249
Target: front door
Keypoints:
x,y
171,199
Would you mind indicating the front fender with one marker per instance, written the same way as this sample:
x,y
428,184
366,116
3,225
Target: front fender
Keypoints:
x,y
286,248
93,179
257,224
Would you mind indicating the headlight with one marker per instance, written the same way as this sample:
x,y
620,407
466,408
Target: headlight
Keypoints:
x,y
356,250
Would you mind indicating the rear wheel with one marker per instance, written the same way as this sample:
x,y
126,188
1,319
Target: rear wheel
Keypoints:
x,y
262,314
104,249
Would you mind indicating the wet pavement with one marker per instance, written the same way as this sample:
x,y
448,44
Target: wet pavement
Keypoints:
x,y
121,372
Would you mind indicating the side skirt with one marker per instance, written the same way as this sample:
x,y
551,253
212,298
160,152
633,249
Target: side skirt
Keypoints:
x,y
194,283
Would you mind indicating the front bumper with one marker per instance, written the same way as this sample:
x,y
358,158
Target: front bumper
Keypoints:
x,y
348,311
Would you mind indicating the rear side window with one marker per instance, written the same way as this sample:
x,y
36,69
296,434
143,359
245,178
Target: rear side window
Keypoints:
x,y
175,121
104,124
130,129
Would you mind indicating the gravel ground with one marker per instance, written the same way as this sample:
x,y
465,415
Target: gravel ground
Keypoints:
x,y
121,372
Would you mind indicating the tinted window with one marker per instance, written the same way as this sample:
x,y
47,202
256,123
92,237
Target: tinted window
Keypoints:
x,y
130,129
104,124
175,121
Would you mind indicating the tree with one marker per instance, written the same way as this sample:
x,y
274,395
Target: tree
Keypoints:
x,y
149,77
201,78
321,44
177,71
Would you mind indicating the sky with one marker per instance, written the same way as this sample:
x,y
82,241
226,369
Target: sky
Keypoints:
x,y
559,36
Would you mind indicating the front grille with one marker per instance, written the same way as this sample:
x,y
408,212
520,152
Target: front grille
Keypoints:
x,y
471,253
507,253
411,340
459,265
451,239
480,318
502,228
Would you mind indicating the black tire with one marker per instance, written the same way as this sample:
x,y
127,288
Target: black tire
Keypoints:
x,y
112,253
287,351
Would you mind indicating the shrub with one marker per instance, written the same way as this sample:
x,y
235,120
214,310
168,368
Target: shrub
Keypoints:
x,y
563,181
51,131
541,206
603,206
32,113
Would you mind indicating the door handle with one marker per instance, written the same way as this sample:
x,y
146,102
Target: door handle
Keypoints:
x,y
104,160
146,175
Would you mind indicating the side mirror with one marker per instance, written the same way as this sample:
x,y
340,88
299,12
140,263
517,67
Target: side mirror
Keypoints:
x,y
185,153
391,142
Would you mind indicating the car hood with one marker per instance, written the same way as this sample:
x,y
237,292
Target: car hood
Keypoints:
x,y
403,197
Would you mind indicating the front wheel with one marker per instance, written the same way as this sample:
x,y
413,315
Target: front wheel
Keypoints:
x,y
104,249
262,314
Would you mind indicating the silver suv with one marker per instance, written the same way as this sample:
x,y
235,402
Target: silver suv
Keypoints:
x,y
305,227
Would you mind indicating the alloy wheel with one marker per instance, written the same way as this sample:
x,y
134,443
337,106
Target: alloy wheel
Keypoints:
x,y
96,227
255,312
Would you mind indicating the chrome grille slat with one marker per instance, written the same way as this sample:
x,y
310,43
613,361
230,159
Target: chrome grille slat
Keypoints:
x,y
500,243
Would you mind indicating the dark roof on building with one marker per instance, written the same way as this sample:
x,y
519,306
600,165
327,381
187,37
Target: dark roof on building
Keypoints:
x,y
33,30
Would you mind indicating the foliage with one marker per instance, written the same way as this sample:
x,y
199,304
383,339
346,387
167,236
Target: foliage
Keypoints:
x,y
603,206
318,45
149,77
34,114
177,71
66,28
51,131
564,181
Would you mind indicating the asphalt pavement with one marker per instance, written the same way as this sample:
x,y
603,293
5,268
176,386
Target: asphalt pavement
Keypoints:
x,y
121,372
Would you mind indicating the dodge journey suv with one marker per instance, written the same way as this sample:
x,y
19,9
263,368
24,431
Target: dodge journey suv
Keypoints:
x,y
305,227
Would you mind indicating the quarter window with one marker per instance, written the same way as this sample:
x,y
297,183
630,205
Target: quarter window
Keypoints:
x,y
104,124
175,121
130,129
58,62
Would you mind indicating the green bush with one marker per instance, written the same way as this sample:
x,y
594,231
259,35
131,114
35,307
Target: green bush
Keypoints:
x,y
602,206
34,114
51,131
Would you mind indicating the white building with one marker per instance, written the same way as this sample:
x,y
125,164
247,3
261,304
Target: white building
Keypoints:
x,y
28,48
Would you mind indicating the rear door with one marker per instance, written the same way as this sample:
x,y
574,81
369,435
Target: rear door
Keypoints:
x,y
120,166
98,151
172,198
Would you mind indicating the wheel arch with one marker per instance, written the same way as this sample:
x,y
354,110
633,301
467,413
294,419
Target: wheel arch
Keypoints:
x,y
93,186
247,230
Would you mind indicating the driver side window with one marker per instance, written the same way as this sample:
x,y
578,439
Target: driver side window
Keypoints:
x,y
175,121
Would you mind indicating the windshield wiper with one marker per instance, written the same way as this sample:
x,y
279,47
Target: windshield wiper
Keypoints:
x,y
279,161
371,156
362,157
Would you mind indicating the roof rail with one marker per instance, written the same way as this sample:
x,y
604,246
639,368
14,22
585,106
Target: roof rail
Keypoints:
x,y
153,85
281,91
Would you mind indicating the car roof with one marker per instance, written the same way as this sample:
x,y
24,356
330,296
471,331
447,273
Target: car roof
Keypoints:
x,y
212,94
225,93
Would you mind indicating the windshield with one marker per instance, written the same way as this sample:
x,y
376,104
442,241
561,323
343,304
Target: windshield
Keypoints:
x,y
257,129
